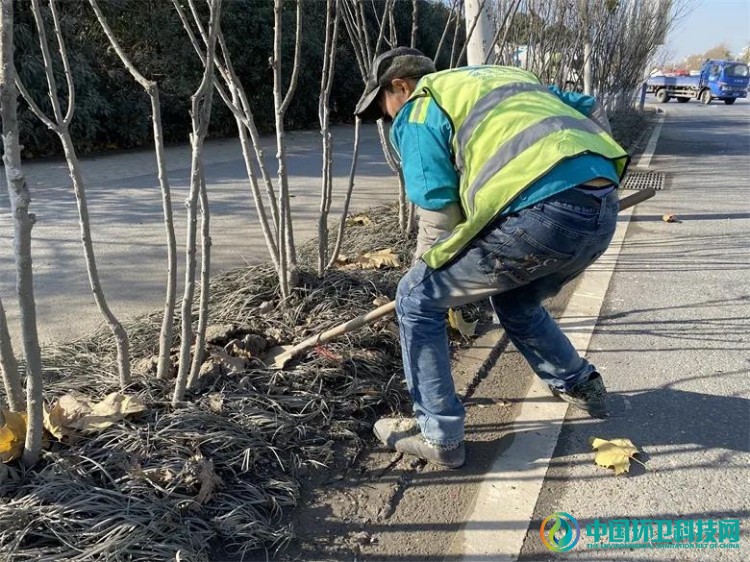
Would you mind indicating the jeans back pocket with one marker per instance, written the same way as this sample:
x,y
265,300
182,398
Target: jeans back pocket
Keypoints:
x,y
524,250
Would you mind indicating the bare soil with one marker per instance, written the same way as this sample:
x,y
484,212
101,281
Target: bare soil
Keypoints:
x,y
386,506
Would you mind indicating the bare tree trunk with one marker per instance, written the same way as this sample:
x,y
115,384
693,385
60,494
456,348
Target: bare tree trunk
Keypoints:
x,y
395,167
166,334
356,30
348,14
393,33
362,26
348,197
387,11
326,85
61,126
503,27
587,79
414,23
268,235
23,222
200,113
506,25
9,366
286,236
200,338
243,109
403,205
120,335
478,32
411,218
454,43
152,89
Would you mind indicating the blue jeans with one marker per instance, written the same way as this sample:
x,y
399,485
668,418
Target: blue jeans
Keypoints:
x,y
518,261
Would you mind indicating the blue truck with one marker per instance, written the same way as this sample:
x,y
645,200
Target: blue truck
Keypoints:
x,y
718,79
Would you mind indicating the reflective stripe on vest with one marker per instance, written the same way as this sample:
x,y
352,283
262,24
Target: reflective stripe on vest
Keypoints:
x,y
522,141
483,107
419,108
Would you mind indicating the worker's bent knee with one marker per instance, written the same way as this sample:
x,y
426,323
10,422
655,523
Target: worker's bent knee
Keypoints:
x,y
405,299
411,293
412,280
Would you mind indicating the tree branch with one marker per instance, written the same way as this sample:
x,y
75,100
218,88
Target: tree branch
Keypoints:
x,y
296,63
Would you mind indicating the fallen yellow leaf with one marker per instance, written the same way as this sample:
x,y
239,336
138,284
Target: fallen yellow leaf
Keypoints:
x,y
54,421
12,436
457,322
81,414
361,220
215,401
378,259
615,453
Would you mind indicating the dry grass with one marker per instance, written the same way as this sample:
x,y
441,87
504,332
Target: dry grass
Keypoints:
x,y
195,479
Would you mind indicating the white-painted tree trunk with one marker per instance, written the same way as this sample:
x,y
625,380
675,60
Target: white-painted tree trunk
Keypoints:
x,y
23,222
200,113
288,273
324,109
479,31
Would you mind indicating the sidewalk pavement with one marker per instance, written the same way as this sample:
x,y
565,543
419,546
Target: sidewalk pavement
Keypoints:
x,y
673,344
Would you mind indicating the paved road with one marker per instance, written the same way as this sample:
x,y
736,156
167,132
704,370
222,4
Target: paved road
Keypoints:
x,y
673,343
127,227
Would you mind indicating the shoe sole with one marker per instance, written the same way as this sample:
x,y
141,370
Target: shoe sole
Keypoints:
x,y
598,414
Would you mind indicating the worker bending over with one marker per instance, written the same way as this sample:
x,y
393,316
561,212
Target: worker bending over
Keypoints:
x,y
515,185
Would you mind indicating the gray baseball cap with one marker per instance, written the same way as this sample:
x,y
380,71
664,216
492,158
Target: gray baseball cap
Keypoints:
x,y
401,62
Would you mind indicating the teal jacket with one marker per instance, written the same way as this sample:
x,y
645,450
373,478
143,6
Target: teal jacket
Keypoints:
x,y
431,179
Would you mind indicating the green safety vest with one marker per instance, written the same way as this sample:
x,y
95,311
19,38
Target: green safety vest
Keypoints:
x,y
508,131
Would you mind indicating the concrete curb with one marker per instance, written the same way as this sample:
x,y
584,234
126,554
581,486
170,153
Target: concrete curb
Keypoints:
x,y
510,489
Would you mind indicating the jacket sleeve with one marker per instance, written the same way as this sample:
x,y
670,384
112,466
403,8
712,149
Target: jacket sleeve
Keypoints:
x,y
421,136
422,140
588,105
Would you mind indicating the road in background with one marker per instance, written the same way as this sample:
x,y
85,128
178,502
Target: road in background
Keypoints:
x,y
128,230
673,344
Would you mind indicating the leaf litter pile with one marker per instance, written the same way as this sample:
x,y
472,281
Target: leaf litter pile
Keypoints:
x,y
214,478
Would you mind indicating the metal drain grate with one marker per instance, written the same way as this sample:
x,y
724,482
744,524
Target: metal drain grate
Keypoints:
x,y
644,180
